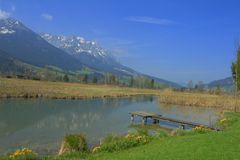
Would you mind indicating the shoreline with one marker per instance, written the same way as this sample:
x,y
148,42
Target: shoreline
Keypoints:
x,y
3,97
30,89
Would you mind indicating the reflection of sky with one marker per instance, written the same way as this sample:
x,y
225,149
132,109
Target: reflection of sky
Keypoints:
x,y
41,124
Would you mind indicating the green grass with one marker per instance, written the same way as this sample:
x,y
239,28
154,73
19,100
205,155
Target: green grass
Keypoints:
x,y
212,145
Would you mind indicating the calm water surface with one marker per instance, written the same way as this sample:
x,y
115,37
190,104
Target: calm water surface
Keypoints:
x,y
41,124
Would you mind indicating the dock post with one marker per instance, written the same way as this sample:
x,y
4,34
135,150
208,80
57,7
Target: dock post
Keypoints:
x,y
154,121
132,118
182,126
144,120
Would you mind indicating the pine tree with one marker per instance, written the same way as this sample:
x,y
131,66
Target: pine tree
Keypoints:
x,y
95,80
85,79
131,81
152,83
65,78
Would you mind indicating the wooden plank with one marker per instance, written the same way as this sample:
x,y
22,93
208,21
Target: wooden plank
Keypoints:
x,y
144,114
155,116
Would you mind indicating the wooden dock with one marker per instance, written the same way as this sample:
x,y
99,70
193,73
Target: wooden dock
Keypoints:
x,y
157,118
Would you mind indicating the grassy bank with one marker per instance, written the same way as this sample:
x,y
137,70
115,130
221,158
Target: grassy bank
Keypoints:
x,y
211,145
16,88
228,102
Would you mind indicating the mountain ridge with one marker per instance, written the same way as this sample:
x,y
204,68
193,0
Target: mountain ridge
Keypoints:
x,y
69,53
224,83
22,43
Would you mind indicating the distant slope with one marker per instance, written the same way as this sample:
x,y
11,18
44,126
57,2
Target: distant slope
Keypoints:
x,y
93,55
225,83
10,65
165,82
22,43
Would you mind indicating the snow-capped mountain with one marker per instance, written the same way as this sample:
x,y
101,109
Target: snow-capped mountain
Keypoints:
x,y
10,26
27,46
76,45
89,53
7,26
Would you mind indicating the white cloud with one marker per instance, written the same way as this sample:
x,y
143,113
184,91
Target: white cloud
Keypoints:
x,y
150,20
47,17
4,14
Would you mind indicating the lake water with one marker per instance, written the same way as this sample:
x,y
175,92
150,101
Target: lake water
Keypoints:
x,y
40,124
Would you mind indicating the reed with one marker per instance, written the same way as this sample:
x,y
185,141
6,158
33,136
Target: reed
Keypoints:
x,y
226,102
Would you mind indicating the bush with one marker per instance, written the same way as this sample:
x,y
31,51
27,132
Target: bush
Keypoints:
x,y
161,134
110,138
74,143
117,143
180,132
142,132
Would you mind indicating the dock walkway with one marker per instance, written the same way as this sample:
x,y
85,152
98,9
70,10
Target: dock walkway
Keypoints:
x,y
157,118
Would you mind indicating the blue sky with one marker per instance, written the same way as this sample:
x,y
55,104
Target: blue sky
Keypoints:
x,y
171,39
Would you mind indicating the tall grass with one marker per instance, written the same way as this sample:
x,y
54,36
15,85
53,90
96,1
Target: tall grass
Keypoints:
x,y
227,102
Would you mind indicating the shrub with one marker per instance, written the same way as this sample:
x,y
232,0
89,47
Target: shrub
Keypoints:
x,y
180,132
161,134
110,138
116,143
74,143
142,131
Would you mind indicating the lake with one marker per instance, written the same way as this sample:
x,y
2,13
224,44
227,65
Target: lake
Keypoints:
x,y
40,124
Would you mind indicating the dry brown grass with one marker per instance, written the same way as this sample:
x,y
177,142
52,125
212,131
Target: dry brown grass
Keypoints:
x,y
16,88
227,102
32,89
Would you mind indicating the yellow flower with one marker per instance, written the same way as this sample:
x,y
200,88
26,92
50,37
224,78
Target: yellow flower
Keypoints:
x,y
130,136
223,120
18,152
199,128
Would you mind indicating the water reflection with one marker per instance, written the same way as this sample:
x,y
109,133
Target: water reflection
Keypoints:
x,y
40,124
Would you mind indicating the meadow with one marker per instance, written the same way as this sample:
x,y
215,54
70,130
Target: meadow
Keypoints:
x,y
224,101
19,88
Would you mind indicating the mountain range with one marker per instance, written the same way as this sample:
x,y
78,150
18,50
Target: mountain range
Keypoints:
x,y
22,48
89,53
